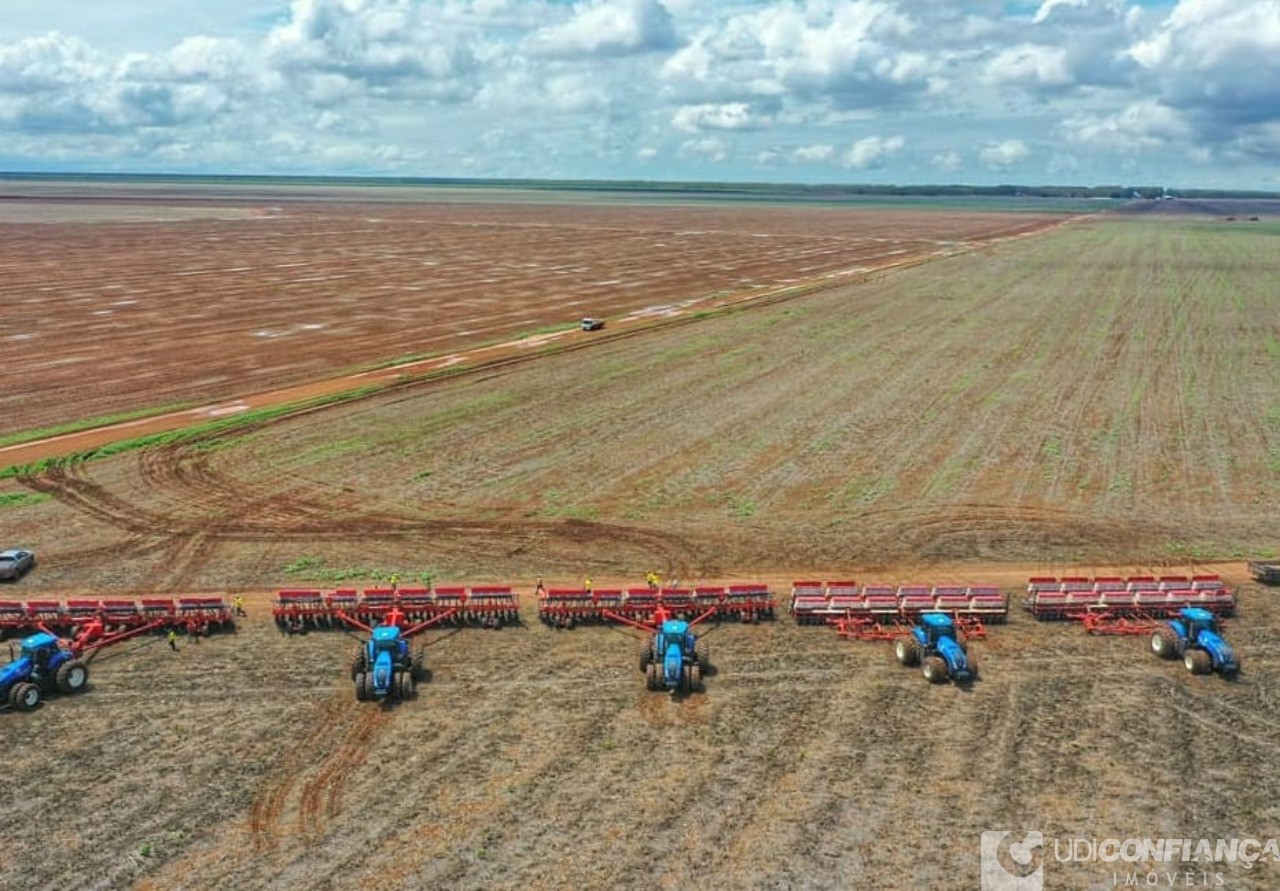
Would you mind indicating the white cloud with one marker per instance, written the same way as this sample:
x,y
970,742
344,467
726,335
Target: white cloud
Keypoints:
x,y
872,151
712,149
808,154
608,28
49,62
726,116
1047,7
1219,62
1005,154
947,161
1030,65
1141,126
850,54
387,46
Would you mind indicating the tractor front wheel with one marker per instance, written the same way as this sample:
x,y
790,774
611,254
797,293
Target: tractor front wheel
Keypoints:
x,y
72,676
646,655
1198,661
362,686
358,663
1164,643
24,696
935,669
907,651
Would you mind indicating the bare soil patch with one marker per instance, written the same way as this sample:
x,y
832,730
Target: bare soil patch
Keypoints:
x,y
213,296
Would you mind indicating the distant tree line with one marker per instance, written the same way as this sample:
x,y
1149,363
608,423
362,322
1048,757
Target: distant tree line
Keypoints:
x,y
827,191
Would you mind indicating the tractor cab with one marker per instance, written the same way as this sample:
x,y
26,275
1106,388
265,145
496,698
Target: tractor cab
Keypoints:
x,y
933,628
40,652
386,639
39,646
387,645
674,632
1198,620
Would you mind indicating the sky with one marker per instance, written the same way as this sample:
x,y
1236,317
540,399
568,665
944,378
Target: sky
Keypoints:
x,y
1179,93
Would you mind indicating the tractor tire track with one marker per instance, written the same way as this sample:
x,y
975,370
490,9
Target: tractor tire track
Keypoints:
x,y
321,798
203,507
266,824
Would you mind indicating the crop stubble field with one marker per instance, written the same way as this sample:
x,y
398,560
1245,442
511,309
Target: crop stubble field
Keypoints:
x,y
1101,396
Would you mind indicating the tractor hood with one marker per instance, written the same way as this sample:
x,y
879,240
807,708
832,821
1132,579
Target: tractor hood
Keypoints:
x,y
672,664
17,670
383,671
1224,658
957,661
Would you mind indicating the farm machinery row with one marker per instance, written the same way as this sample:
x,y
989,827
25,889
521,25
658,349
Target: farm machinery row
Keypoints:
x,y
929,625
203,614
488,606
63,638
819,603
385,668
672,656
567,607
1181,616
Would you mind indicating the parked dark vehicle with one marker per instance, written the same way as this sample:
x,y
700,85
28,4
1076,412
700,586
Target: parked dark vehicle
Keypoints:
x,y
1265,571
15,563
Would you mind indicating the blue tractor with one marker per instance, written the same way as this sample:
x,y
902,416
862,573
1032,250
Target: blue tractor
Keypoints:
x,y
934,644
46,664
673,658
384,668
1196,637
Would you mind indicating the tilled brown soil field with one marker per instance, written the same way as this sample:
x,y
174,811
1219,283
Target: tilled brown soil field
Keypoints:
x,y
1097,399
150,298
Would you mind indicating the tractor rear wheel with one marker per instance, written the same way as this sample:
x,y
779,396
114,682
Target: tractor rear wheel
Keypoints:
x,y
362,686
405,687
935,669
646,655
702,651
1164,643
653,677
24,696
907,651
419,670
72,675
1198,661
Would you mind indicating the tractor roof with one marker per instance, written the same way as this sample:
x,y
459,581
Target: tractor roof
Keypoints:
x,y
386,632
675,626
1196,614
936,620
37,641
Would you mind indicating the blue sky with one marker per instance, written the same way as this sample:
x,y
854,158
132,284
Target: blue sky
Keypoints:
x,y
1182,93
